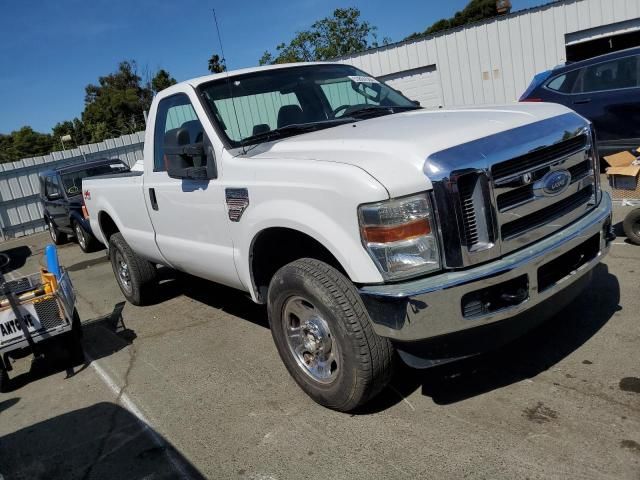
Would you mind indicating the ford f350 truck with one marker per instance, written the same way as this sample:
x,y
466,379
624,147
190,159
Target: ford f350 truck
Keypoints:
x,y
371,228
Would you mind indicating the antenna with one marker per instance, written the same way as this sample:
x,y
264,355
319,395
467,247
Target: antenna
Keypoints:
x,y
224,62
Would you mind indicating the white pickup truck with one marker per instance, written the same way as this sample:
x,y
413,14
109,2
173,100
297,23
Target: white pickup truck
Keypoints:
x,y
369,226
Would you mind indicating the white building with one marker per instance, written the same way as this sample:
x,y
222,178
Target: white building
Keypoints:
x,y
494,61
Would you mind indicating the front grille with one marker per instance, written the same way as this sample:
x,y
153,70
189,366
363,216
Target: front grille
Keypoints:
x,y
469,220
515,197
538,158
546,215
580,170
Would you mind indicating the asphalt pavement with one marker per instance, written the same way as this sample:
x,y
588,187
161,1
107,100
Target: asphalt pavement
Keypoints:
x,y
193,387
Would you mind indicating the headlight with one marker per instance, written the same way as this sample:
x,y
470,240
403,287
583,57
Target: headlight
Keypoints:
x,y
399,236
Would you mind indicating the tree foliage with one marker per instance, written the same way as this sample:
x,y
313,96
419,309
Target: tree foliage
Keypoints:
x,y
217,64
116,104
475,11
23,143
161,81
344,33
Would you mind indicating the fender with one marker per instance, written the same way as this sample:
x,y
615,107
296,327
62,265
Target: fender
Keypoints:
x,y
342,243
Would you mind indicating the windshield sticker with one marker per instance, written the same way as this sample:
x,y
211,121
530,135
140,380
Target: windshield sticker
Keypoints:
x,y
362,79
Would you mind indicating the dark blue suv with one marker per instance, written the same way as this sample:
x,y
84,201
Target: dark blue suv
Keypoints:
x,y
604,90
61,197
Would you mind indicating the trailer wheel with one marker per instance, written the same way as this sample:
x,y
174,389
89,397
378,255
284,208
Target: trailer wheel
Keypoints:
x,y
631,226
4,380
324,335
135,275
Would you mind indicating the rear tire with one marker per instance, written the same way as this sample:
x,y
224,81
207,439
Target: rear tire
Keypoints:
x,y
631,226
86,241
135,275
324,335
57,237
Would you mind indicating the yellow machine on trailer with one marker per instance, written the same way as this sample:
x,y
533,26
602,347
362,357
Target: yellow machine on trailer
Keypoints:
x,y
35,309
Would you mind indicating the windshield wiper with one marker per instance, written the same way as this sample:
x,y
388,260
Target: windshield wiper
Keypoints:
x,y
291,129
376,110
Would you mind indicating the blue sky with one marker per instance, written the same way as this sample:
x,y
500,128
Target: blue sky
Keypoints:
x,y
49,51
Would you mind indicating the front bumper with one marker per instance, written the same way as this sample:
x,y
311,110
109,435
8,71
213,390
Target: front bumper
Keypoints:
x,y
433,306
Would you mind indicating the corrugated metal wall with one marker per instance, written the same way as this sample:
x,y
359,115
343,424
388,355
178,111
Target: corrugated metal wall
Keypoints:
x,y
20,209
494,61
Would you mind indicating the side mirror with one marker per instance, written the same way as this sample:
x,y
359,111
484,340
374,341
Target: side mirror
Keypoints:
x,y
192,161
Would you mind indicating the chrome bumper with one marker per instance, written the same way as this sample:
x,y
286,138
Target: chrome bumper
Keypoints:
x,y
431,306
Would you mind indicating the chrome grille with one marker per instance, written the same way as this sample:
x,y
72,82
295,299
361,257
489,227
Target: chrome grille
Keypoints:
x,y
524,212
469,221
493,195
538,158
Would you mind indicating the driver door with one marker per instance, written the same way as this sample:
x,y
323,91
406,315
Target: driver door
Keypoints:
x,y
189,216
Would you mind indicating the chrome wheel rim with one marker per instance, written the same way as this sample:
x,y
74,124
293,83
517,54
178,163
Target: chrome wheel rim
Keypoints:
x,y
122,271
80,235
52,232
310,340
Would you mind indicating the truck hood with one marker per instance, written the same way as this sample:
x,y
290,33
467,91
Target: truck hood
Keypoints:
x,y
393,148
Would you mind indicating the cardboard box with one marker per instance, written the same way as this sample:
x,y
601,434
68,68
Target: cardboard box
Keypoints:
x,y
623,175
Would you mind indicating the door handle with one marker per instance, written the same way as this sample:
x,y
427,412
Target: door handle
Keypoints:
x,y
153,199
581,102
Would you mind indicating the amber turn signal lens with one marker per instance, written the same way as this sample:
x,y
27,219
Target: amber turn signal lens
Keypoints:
x,y
395,233
85,212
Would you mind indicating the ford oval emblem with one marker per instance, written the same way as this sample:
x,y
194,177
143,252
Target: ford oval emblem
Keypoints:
x,y
556,182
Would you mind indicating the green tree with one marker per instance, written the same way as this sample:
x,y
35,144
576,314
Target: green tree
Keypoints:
x,y
217,64
24,143
474,11
344,33
116,105
162,80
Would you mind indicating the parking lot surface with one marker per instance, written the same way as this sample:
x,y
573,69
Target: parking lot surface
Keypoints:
x,y
193,387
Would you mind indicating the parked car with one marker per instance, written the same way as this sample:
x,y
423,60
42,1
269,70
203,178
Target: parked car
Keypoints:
x,y
366,224
604,90
61,197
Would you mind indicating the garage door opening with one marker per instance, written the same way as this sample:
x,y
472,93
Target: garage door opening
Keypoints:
x,y
421,84
602,45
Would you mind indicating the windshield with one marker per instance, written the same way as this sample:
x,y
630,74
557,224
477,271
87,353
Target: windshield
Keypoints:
x,y
72,181
251,105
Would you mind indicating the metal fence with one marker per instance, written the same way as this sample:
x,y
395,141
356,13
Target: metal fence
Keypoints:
x,y
20,209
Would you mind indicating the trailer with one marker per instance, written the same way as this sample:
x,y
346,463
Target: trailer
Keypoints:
x,y
34,310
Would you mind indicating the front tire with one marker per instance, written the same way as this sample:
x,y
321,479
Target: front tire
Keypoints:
x,y
324,335
631,226
136,276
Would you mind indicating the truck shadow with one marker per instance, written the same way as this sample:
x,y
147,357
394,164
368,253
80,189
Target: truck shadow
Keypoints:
x,y
524,358
100,441
227,299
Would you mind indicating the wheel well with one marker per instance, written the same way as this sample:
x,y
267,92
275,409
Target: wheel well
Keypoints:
x,y
275,247
107,226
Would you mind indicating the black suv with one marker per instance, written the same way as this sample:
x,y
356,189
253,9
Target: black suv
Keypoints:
x,y
604,89
61,196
